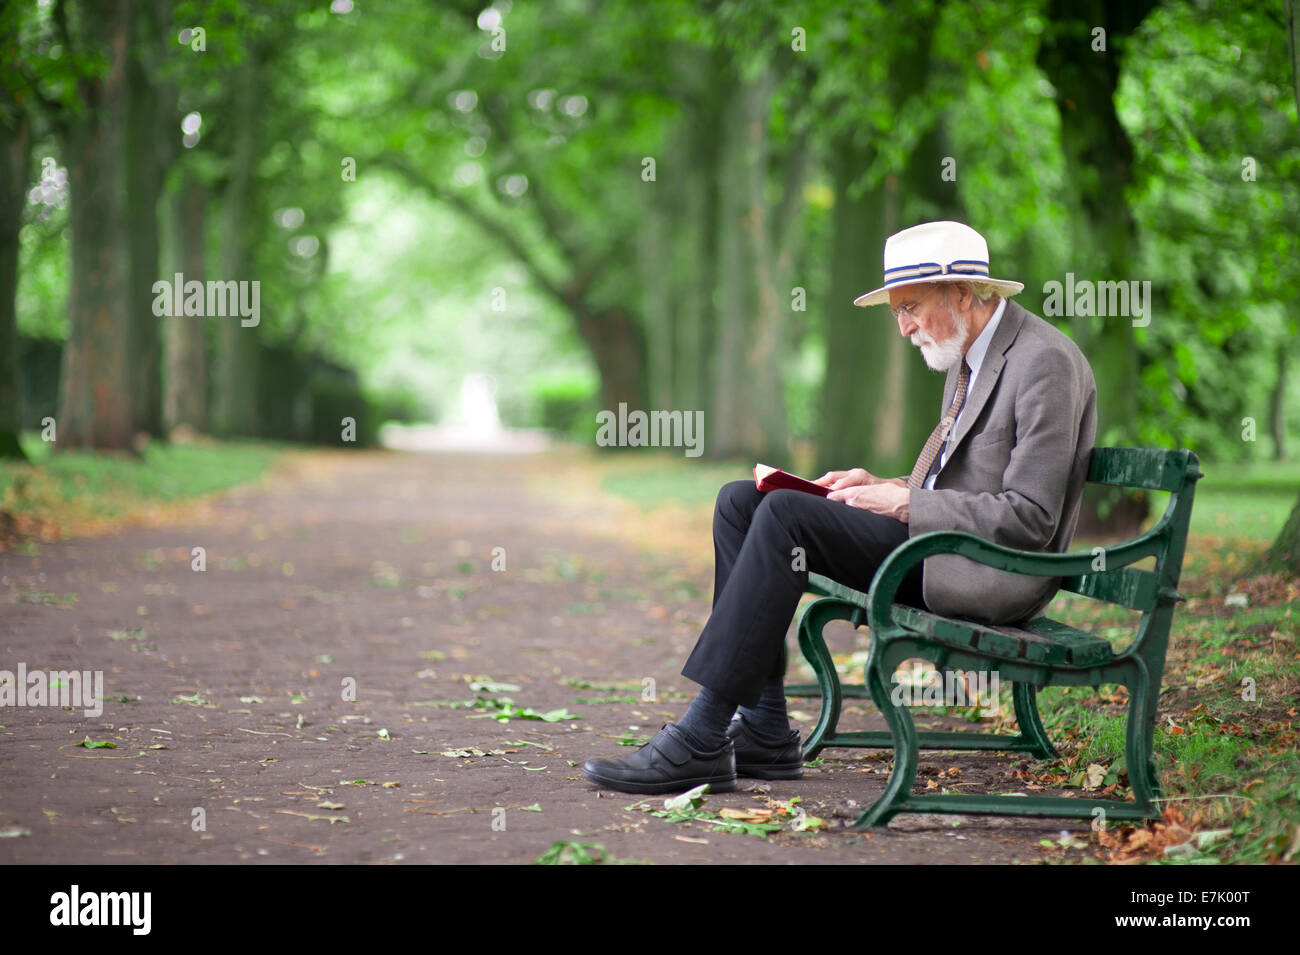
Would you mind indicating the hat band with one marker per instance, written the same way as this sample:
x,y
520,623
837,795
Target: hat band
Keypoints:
x,y
905,273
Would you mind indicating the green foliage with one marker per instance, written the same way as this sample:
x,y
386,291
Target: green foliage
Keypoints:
x,y
498,216
1216,196
567,404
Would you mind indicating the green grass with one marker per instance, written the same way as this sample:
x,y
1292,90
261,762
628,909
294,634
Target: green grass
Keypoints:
x,y
1226,760
80,485
1252,501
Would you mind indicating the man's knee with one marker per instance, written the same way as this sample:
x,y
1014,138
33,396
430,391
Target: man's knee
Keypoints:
x,y
738,499
781,507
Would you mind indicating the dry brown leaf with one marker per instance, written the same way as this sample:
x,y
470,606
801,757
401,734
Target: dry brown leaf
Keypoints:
x,y
745,815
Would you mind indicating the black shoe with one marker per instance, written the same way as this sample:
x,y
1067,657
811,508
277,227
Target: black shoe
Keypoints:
x,y
764,760
666,764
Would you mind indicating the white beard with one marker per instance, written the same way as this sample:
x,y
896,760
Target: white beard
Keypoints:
x,y
941,356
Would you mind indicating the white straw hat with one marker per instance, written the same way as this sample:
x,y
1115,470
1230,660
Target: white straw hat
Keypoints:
x,y
935,252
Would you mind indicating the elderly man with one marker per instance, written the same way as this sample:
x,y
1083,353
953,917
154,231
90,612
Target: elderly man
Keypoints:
x,y
1007,461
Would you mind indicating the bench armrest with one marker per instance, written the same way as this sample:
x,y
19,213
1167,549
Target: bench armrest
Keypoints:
x,y
896,566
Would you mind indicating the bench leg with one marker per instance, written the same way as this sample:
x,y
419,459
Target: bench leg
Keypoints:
x,y
1025,697
813,645
903,732
1139,751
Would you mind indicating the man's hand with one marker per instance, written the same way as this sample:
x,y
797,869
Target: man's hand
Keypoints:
x,y
883,497
857,477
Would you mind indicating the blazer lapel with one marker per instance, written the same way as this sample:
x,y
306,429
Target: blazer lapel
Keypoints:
x,y
994,360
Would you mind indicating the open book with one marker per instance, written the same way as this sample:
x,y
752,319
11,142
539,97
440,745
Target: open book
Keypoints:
x,y
769,479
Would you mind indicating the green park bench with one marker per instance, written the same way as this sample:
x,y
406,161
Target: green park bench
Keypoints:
x,y
1043,653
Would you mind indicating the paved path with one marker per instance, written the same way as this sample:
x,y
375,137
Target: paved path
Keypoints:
x,y
237,744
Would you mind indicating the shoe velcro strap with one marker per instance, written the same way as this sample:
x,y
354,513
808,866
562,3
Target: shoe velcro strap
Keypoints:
x,y
674,749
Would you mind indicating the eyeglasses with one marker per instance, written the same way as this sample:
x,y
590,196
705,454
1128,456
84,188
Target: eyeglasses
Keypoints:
x,y
909,310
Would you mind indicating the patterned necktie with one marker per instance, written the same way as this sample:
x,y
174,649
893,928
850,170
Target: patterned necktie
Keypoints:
x,y
940,433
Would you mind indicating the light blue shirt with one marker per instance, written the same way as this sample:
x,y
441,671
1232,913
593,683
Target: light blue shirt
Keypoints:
x,y
975,359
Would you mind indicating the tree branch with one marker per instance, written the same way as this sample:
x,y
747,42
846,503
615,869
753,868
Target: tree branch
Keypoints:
x,y
550,217
507,237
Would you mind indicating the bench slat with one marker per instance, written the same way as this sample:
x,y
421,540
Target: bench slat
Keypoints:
x,y
1086,648
1152,468
1042,641
1126,586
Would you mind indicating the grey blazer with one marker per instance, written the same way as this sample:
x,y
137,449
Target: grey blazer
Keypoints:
x,y
1016,470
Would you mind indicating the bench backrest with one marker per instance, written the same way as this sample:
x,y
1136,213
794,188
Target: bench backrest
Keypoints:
x,y
1152,469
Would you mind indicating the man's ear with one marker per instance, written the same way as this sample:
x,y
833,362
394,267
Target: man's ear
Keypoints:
x,y
965,295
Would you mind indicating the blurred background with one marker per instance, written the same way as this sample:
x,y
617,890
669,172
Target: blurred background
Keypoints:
x,y
484,224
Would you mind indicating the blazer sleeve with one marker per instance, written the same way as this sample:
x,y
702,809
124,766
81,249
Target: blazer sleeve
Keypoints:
x,y
1049,406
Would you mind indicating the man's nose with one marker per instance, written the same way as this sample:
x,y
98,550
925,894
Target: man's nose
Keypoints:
x,y
906,326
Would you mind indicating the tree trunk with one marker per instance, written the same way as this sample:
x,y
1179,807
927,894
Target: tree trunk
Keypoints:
x,y
95,407
15,158
696,245
235,401
765,353
657,280
1284,347
857,339
1284,555
1278,409
185,401
749,400
147,148
618,348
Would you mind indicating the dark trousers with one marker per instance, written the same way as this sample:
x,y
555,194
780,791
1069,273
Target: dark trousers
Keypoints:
x,y
759,576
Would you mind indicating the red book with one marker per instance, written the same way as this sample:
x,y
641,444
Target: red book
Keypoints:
x,y
770,479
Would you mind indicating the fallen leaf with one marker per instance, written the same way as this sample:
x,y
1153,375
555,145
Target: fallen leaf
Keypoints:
x,y
745,815
471,751
691,799
312,816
